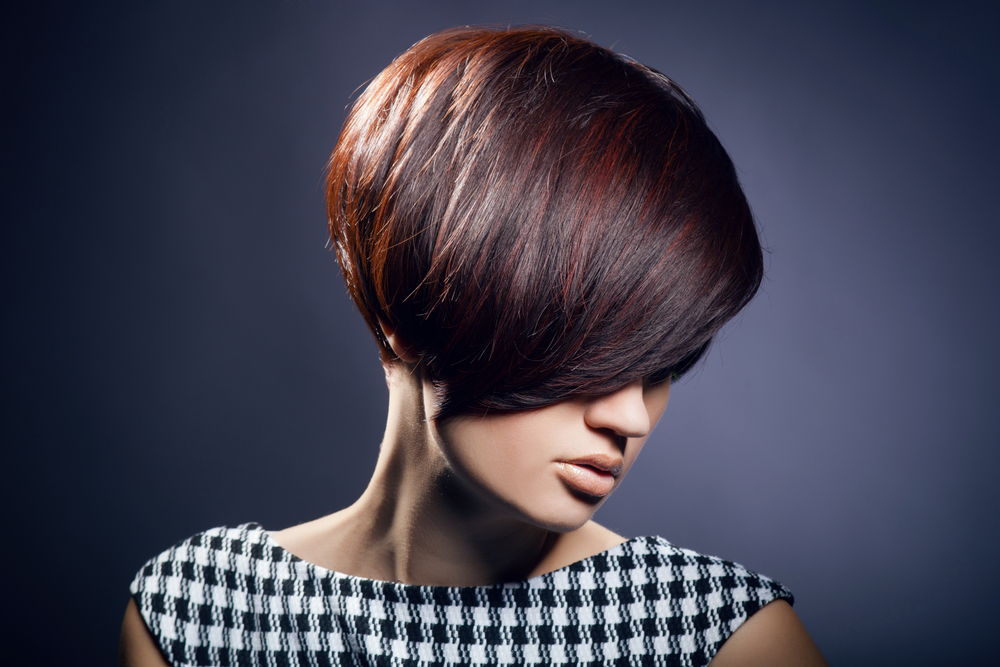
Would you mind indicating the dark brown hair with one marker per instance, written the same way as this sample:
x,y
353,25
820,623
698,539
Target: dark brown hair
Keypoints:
x,y
538,216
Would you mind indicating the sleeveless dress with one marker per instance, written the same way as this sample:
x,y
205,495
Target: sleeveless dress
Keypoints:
x,y
232,596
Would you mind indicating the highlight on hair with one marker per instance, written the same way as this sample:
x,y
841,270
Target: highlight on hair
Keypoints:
x,y
538,216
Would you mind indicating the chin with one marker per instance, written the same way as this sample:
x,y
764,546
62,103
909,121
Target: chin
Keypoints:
x,y
566,515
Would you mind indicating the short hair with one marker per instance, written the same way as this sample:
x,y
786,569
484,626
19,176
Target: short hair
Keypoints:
x,y
538,216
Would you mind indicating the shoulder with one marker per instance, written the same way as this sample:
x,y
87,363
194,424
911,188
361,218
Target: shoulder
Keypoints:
x,y
214,557
773,637
699,575
209,579
590,540
702,600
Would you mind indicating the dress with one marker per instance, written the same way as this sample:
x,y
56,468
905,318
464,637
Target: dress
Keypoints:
x,y
233,596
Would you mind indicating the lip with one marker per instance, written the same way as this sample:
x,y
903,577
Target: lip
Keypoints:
x,y
593,475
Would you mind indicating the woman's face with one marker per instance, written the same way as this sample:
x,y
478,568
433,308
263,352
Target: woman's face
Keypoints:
x,y
554,466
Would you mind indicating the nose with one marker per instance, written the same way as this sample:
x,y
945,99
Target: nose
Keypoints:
x,y
624,412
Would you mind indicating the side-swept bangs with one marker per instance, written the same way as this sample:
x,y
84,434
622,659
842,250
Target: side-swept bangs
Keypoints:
x,y
538,216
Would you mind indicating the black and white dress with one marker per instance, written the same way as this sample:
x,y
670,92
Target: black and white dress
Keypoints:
x,y
233,596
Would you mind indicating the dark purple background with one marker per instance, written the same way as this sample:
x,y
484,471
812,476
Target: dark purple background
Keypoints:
x,y
180,352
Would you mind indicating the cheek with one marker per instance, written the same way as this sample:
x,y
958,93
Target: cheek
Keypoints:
x,y
656,399
509,455
491,451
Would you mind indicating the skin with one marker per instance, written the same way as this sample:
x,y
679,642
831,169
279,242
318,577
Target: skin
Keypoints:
x,y
484,499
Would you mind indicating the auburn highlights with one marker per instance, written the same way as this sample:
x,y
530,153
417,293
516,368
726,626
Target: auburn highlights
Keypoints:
x,y
539,217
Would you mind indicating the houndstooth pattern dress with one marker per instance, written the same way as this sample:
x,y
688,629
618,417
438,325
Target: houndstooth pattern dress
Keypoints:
x,y
233,596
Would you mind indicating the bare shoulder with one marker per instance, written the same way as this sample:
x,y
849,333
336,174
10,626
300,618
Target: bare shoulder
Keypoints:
x,y
299,538
595,538
772,637
137,647
319,541
584,542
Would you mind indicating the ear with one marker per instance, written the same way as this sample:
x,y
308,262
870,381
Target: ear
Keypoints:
x,y
402,347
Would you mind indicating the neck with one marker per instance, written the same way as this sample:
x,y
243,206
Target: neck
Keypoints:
x,y
417,522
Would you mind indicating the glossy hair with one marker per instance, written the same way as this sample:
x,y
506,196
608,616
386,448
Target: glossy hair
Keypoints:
x,y
538,216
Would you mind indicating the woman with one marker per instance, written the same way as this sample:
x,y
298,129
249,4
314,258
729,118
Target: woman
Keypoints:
x,y
542,235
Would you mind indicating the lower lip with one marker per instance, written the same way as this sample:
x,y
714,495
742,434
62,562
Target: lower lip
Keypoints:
x,y
587,480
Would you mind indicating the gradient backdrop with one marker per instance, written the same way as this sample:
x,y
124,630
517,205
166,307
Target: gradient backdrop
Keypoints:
x,y
180,352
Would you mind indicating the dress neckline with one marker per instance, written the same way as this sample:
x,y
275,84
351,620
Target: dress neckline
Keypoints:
x,y
532,582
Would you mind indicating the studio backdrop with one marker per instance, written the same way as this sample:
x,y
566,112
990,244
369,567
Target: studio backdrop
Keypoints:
x,y
180,351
